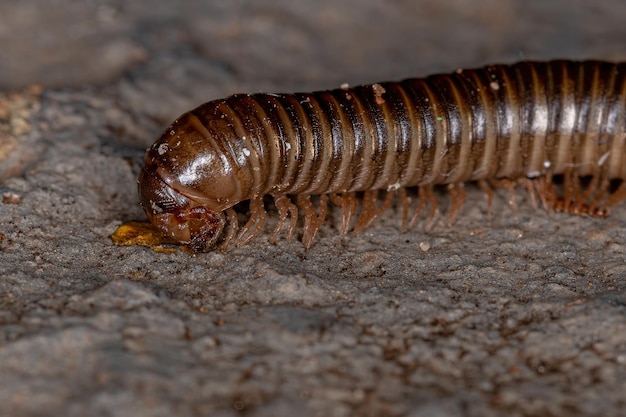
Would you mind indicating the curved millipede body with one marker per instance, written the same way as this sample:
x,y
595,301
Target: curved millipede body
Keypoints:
x,y
511,123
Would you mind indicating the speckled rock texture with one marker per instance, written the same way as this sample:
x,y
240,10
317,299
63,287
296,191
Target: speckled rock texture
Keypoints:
x,y
520,314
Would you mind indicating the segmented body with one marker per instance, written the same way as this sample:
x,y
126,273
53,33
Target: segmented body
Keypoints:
x,y
527,120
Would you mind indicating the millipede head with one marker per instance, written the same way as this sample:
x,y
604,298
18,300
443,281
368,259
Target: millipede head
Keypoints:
x,y
177,216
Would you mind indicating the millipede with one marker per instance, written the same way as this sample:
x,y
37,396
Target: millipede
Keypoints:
x,y
525,124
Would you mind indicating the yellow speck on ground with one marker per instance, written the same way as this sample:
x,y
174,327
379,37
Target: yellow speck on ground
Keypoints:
x,y
141,233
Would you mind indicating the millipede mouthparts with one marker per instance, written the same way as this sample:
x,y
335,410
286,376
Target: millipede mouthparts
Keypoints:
x,y
514,124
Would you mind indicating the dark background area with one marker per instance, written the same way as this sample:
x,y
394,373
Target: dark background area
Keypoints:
x,y
520,314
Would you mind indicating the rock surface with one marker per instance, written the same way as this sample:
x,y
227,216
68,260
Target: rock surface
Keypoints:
x,y
523,314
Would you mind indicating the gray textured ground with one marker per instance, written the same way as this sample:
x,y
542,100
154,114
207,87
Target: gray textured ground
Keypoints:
x,y
520,315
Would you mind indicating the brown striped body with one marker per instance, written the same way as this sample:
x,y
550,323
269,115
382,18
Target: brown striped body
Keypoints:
x,y
504,121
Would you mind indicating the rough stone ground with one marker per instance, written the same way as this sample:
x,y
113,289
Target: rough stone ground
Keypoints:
x,y
523,314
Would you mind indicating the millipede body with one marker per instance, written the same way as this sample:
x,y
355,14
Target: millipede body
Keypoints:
x,y
520,124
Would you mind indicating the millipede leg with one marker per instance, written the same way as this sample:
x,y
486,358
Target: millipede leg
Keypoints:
x,y
510,186
425,196
432,199
613,199
255,224
570,192
576,192
591,188
347,202
337,200
597,202
233,227
322,210
484,186
370,212
421,205
546,192
312,221
530,189
352,205
458,196
285,208
389,197
404,199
